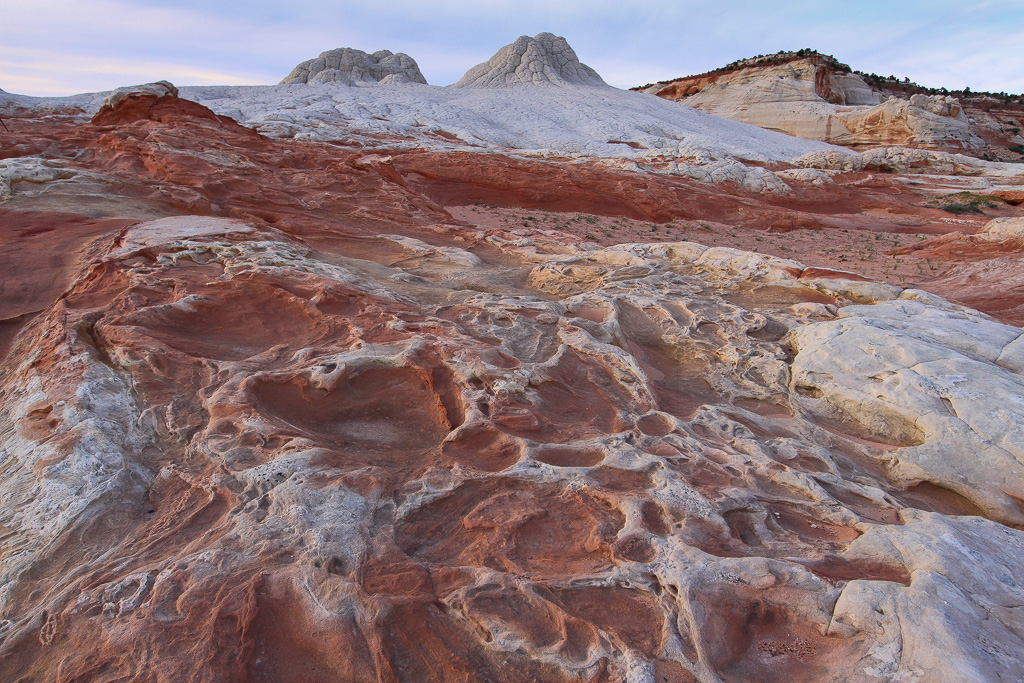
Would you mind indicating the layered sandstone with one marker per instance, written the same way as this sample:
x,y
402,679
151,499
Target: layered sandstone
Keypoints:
x,y
196,161
810,97
987,268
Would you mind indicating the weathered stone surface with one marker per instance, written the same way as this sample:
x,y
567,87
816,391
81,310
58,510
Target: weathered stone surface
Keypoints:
x,y
986,271
895,374
614,467
31,171
898,160
1004,228
155,90
942,555
545,59
812,176
348,66
271,413
155,101
809,98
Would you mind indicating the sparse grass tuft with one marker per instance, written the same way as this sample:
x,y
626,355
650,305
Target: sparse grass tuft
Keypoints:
x,y
960,203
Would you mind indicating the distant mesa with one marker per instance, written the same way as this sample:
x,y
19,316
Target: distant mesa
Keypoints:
x,y
545,59
350,66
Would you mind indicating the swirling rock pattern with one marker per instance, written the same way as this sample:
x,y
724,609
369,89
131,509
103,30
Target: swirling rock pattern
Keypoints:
x,y
227,454
271,413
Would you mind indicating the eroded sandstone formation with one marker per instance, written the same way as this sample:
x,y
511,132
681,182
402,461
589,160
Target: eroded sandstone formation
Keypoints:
x,y
231,455
545,59
807,96
348,66
987,270
270,412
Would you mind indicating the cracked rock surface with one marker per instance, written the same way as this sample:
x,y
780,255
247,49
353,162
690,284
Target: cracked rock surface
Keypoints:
x,y
348,66
545,59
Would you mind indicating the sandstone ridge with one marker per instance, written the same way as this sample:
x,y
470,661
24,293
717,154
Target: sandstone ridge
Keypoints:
x,y
815,97
545,59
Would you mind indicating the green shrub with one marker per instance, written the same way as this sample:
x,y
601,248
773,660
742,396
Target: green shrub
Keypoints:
x,y
960,203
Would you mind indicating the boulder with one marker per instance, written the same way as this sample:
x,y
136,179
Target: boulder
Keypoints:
x,y
1003,228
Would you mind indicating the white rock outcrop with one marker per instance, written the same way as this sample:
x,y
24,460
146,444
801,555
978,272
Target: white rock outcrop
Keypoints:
x,y
157,89
731,172
962,570
33,171
811,176
999,229
902,160
943,387
545,59
568,121
940,105
350,66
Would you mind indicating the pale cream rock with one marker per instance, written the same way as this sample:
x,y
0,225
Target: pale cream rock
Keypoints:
x,y
164,230
832,160
544,59
999,229
962,571
933,386
731,172
857,291
904,160
940,105
749,265
811,176
806,99
36,171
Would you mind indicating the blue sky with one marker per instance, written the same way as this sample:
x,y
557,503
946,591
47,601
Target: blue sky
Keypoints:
x,y
56,47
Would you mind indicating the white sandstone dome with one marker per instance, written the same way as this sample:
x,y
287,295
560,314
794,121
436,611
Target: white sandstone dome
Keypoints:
x,y
350,66
545,59
158,89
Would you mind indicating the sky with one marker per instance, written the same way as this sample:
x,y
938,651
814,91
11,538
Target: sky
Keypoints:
x,y
62,47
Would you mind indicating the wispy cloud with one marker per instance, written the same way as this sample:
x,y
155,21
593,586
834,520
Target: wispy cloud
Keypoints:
x,y
43,72
63,46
